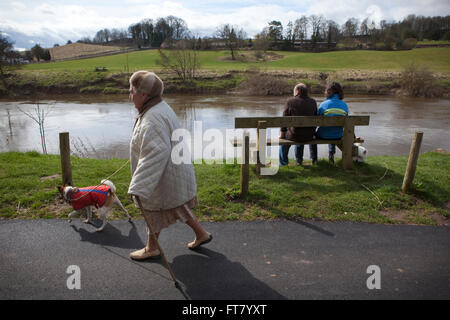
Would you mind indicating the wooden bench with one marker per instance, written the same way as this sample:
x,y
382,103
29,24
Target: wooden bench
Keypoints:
x,y
345,143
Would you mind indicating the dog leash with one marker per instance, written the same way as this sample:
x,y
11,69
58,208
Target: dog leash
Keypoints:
x,y
95,188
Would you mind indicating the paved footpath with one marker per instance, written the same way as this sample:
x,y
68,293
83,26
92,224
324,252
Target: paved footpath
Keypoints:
x,y
245,261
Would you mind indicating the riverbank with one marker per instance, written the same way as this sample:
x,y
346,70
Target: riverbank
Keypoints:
x,y
369,193
277,82
360,72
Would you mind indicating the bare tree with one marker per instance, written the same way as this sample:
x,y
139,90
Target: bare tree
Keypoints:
x,y
289,32
276,30
333,32
233,37
301,28
183,60
39,117
179,27
102,36
262,41
318,25
350,28
146,31
364,27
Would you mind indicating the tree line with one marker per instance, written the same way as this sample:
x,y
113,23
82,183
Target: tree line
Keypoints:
x,y
316,29
307,30
145,33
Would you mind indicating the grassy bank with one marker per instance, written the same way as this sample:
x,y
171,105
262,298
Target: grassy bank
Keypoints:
x,y
369,193
23,83
435,58
361,71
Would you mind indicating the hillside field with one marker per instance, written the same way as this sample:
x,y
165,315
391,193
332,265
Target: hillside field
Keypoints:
x,y
437,59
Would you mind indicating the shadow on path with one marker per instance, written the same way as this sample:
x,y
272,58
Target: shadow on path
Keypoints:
x,y
210,275
111,236
313,227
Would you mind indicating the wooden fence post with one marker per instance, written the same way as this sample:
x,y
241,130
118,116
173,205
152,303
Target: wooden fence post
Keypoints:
x,y
245,167
64,149
412,161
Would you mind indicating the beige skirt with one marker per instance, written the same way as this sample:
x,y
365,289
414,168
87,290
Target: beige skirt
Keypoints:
x,y
163,218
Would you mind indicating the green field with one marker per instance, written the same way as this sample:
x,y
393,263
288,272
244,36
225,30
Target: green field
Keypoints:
x,y
437,59
369,193
434,42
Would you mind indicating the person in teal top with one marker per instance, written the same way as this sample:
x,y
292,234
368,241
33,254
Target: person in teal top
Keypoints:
x,y
332,106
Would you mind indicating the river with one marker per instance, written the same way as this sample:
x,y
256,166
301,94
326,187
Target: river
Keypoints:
x,y
100,126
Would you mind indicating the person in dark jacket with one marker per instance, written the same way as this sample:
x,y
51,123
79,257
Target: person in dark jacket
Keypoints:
x,y
300,105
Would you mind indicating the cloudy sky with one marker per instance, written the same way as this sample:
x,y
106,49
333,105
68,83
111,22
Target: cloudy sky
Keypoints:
x,y
47,22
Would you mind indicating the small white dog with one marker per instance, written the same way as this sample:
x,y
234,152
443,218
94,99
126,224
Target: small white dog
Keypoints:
x,y
103,197
362,153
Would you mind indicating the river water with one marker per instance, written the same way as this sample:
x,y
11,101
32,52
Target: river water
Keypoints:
x,y
100,126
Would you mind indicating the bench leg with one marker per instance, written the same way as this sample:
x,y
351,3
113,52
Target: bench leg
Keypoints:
x,y
259,146
245,167
347,144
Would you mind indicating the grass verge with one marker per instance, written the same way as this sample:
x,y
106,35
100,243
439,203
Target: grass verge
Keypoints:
x,y
369,193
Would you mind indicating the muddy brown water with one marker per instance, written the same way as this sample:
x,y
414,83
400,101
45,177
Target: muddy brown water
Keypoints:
x,y
100,126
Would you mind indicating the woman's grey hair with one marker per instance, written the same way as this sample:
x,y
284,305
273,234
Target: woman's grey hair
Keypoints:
x,y
301,90
146,82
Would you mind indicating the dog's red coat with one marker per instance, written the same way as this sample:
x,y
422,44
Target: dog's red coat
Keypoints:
x,y
95,198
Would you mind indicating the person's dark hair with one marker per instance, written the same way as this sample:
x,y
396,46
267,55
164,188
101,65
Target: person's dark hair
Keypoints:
x,y
302,90
333,88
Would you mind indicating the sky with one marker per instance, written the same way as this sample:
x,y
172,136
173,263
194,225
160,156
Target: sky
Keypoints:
x,y
47,22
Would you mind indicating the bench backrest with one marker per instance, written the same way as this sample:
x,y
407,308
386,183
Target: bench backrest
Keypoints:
x,y
300,121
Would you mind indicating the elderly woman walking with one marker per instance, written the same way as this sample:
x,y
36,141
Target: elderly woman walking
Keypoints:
x,y
166,190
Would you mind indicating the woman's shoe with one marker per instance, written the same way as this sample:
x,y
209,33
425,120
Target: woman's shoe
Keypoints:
x,y
198,242
143,254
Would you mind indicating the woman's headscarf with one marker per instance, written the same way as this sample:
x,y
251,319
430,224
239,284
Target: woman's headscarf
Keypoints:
x,y
150,84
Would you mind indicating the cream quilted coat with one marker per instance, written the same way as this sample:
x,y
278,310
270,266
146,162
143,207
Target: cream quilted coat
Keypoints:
x,y
159,183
